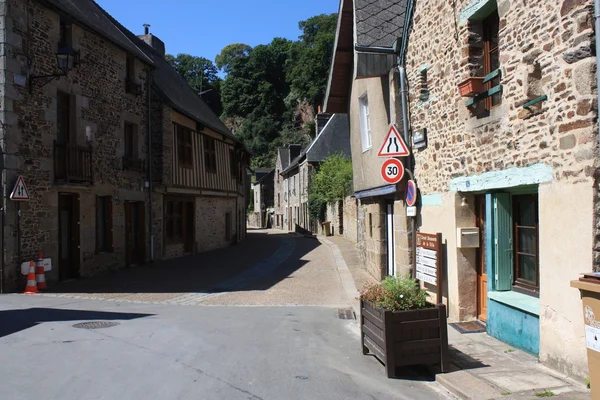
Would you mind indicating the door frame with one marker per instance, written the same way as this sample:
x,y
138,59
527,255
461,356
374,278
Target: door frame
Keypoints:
x,y
390,239
480,261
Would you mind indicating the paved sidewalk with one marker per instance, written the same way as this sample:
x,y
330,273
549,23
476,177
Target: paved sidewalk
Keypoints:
x,y
484,368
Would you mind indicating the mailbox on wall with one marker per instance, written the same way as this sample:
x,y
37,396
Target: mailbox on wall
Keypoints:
x,y
467,238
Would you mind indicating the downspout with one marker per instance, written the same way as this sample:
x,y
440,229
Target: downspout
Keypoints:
x,y
150,178
597,29
406,122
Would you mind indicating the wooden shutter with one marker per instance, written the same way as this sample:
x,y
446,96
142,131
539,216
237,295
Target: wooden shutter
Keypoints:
x,y
503,241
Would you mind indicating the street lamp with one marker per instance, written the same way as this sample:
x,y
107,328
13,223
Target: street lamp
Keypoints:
x,y
66,59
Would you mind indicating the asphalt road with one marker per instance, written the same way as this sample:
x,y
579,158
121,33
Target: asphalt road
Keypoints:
x,y
244,351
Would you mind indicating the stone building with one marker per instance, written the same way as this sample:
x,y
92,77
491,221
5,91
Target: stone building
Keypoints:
x,y
332,137
283,214
76,120
200,181
515,159
263,190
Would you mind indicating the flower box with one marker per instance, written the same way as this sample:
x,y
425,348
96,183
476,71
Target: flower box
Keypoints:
x,y
471,86
401,338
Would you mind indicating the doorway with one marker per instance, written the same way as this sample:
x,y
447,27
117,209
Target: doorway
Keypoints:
x,y
391,251
68,236
480,220
135,233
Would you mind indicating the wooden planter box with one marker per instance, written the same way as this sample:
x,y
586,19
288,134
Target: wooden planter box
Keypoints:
x,y
401,338
471,86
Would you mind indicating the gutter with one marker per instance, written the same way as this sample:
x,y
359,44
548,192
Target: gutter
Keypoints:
x,y
597,29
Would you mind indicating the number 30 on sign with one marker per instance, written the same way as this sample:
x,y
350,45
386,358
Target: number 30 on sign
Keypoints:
x,y
392,171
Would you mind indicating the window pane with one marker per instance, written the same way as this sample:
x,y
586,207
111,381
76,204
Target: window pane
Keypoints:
x,y
526,240
527,211
169,228
527,268
101,223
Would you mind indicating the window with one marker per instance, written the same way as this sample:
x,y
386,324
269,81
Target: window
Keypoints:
x,y
179,219
278,199
424,89
365,123
525,221
63,117
491,56
233,164
370,225
65,34
104,239
130,141
184,146
130,68
210,156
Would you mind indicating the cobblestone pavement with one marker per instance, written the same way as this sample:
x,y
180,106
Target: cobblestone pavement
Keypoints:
x,y
269,268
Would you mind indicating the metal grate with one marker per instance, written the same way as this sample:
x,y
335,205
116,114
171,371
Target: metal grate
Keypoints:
x,y
345,313
95,325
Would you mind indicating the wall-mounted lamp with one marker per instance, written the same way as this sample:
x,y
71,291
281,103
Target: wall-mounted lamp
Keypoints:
x,y
66,60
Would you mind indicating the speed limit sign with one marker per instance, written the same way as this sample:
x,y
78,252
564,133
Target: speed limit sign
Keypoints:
x,y
392,171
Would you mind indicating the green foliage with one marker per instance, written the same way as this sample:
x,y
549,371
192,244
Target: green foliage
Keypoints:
x,y
265,84
333,182
201,74
588,382
317,207
545,393
395,294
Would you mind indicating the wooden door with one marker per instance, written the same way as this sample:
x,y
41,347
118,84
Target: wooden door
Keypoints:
x,y
68,236
480,209
135,233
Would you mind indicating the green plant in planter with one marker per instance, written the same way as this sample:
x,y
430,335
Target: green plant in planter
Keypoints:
x,y
396,294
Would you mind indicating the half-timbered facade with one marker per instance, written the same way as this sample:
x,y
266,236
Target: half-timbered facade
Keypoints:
x,y
199,173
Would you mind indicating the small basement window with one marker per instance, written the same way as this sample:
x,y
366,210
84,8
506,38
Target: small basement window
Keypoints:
x,y
424,88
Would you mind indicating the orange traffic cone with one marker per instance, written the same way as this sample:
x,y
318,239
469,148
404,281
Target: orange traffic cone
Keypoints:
x,y
31,287
40,276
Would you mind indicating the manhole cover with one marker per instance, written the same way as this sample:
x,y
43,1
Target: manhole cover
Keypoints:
x,y
95,325
345,313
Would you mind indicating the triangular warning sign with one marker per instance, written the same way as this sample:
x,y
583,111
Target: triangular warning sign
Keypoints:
x,y
393,145
20,192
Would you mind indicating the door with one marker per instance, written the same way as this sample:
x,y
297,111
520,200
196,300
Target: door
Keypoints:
x,y
135,233
480,210
190,226
391,252
68,236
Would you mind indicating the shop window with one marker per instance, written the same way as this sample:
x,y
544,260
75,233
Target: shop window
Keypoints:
x,y
179,220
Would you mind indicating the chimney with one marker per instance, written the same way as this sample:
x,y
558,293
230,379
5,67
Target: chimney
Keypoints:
x,y
295,150
152,40
322,119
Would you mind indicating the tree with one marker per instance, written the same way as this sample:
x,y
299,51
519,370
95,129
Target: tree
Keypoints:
x,y
230,54
332,183
201,74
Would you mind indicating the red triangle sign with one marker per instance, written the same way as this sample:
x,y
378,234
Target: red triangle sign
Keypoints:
x,y
393,145
20,192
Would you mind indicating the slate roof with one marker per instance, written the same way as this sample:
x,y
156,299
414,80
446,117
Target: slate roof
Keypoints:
x,y
172,86
268,176
333,139
379,22
91,15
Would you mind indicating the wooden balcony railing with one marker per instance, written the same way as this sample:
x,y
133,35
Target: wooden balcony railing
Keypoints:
x,y
72,163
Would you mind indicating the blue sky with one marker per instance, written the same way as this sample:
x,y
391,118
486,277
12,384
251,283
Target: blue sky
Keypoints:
x,y
203,28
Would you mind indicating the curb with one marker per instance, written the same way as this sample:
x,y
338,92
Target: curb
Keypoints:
x,y
345,275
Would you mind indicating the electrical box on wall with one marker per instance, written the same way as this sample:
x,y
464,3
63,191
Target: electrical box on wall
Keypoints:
x,y
467,238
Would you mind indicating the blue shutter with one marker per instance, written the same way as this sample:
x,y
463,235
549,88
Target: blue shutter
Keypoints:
x,y
503,241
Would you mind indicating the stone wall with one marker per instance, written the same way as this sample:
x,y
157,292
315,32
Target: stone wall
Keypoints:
x,y
544,49
343,218
372,238
99,103
279,199
210,222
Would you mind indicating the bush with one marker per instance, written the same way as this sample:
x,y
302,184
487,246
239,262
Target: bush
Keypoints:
x,y
317,207
395,294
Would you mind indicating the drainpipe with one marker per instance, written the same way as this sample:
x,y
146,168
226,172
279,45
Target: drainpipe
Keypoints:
x,y
149,154
405,128
597,29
